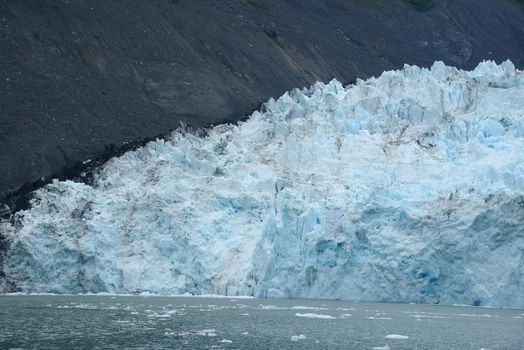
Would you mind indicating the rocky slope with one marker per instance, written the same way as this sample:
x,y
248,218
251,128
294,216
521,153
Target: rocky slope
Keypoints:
x,y
81,79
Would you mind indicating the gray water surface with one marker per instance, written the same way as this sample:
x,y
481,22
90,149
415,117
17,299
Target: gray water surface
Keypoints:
x,y
136,322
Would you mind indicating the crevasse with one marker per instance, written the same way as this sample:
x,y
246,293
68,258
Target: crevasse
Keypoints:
x,y
408,187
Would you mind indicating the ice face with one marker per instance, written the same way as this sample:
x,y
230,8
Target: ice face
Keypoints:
x,y
408,187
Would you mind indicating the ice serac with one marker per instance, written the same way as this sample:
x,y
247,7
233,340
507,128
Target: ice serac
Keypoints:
x,y
408,187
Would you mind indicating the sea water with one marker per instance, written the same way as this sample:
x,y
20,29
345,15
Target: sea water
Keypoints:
x,y
138,322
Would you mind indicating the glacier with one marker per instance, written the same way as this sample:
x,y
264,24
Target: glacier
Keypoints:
x,y
408,187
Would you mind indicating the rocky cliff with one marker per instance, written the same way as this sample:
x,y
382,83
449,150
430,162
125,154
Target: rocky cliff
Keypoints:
x,y
81,80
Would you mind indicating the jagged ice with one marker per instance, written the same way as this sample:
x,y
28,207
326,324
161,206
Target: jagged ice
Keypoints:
x,y
408,187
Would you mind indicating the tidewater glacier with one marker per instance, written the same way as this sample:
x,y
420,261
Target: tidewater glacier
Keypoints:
x,y
408,187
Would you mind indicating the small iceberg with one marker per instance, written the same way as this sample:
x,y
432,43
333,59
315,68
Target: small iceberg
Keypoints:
x,y
298,337
310,315
385,347
396,336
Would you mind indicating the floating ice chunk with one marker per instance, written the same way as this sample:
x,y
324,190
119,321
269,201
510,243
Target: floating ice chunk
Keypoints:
x,y
206,333
298,337
396,336
418,316
122,321
315,308
311,315
474,315
272,307
385,347
157,315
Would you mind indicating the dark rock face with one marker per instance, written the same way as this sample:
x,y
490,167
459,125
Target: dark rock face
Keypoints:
x,y
80,79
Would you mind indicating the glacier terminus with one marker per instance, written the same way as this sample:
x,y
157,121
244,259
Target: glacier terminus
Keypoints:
x,y
408,187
